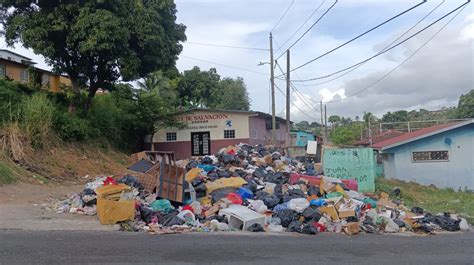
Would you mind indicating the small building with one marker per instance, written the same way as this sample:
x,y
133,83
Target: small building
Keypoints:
x,y
207,131
441,155
21,68
301,138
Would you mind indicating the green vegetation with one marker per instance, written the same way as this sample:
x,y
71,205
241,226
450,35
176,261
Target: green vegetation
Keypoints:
x,y
466,105
430,198
96,42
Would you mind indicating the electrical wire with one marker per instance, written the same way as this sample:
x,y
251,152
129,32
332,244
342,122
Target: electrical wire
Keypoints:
x,y
282,16
304,23
300,95
409,57
224,65
358,65
360,35
296,106
314,24
226,46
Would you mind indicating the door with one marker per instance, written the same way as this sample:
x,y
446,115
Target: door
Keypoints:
x,y
200,143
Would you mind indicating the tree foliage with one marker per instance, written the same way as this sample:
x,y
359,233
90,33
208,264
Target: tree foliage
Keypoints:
x,y
466,105
230,94
346,135
96,42
206,89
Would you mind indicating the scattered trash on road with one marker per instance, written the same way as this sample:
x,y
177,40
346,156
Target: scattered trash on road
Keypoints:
x,y
246,188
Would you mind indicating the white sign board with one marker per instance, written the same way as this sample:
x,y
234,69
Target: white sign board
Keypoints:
x,y
312,147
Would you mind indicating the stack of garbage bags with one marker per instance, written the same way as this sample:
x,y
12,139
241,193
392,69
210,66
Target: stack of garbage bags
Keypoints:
x,y
251,188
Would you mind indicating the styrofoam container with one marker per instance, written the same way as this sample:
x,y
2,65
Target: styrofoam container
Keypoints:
x,y
241,217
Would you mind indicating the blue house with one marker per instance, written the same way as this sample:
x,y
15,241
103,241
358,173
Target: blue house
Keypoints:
x,y
301,138
441,155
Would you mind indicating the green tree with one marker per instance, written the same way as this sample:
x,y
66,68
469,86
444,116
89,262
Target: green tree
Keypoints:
x,y
397,116
334,119
161,85
196,87
96,42
230,94
466,105
345,135
302,125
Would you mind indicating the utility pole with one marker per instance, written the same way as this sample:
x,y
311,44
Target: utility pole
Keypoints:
x,y
272,81
370,133
322,122
326,122
288,94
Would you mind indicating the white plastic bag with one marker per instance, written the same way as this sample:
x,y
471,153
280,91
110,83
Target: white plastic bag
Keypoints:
x,y
298,205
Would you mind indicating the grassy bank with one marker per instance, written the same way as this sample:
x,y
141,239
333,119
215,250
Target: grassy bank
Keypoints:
x,y
430,198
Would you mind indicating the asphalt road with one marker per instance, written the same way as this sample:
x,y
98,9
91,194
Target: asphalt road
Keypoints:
x,y
81,247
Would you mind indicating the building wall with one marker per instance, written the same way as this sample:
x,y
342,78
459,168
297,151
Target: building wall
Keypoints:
x,y
13,70
456,173
257,124
204,121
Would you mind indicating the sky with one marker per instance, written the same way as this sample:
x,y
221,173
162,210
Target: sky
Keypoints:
x,y
411,76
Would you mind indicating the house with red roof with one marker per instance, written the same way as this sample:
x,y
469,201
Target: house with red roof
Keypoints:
x,y
440,155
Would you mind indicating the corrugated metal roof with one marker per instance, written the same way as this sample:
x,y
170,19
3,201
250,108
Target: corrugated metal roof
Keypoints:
x,y
419,134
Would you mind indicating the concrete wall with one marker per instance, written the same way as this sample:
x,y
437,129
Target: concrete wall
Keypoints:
x,y
260,135
182,149
456,173
206,121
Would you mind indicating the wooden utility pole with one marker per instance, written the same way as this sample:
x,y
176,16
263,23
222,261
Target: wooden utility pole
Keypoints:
x,y
272,82
288,94
322,121
326,122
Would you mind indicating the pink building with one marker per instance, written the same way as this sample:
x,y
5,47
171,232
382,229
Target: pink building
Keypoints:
x,y
208,130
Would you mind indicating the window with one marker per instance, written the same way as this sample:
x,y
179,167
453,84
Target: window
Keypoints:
x,y
430,156
254,134
24,75
2,71
228,134
170,136
44,79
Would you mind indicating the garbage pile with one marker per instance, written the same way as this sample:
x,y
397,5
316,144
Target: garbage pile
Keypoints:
x,y
251,188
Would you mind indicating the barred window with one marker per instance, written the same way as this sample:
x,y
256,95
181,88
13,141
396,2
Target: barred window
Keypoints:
x,y
430,156
2,71
228,134
24,75
171,137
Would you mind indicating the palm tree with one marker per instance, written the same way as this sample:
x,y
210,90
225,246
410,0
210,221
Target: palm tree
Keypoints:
x,y
159,84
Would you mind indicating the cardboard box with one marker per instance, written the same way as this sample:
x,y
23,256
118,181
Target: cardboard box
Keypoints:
x,y
109,209
331,211
348,213
352,228
386,203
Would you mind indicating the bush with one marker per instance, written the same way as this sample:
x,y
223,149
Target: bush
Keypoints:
x,y
69,127
11,96
37,119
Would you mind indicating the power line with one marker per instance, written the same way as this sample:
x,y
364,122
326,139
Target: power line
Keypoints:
x,y
384,50
225,65
304,23
226,46
409,57
356,66
282,16
314,24
300,95
296,106
360,35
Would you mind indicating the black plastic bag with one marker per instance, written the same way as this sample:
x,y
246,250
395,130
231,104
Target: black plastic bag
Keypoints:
x,y
192,164
295,226
255,228
223,174
309,229
221,193
271,201
170,219
286,216
212,176
312,214
399,222
229,159
251,185
131,181
447,223
259,173
417,210
146,214
206,160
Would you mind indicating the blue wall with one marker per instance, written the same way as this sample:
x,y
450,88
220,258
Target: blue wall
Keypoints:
x,y
302,138
456,173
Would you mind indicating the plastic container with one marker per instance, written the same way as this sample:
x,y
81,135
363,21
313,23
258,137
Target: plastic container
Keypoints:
x,y
245,193
241,218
